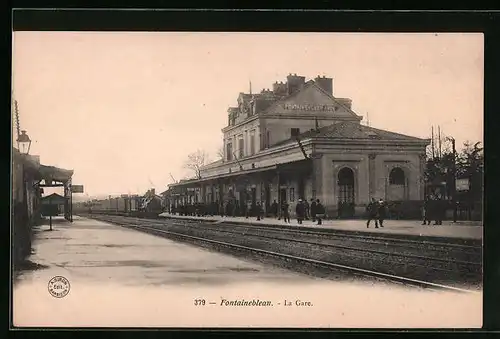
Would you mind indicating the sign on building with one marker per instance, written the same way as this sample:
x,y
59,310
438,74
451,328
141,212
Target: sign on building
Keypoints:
x,y
462,184
308,107
77,188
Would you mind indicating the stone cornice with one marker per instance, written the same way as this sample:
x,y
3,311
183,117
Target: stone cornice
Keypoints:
x,y
248,120
347,160
319,116
369,142
274,151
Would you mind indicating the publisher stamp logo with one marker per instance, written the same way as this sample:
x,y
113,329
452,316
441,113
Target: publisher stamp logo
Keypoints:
x,y
59,287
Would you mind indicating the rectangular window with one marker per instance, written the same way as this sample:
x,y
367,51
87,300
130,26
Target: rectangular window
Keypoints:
x,y
268,138
241,149
229,151
294,132
292,194
252,142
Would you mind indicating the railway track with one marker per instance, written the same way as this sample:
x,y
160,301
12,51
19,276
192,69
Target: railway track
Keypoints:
x,y
323,250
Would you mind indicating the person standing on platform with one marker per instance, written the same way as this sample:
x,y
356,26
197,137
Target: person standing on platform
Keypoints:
x,y
258,210
285,209
313,210
440,210
320,212
274,209
247,208
306,210
300,211
382,212
372,212
425,212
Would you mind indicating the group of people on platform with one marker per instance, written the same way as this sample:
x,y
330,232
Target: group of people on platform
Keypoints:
x,y
304,211
434,208
229,209
376,211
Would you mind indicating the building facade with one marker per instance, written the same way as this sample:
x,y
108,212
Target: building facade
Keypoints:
x,y
299,141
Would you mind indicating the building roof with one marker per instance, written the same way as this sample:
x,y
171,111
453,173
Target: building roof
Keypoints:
x,y
55,173
354,130
53,198
325,96
32,163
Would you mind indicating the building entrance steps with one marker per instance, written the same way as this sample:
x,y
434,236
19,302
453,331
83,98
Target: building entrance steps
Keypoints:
x,y
449,231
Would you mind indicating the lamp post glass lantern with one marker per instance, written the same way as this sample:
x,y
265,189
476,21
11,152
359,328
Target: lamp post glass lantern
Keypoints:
x,y
24,143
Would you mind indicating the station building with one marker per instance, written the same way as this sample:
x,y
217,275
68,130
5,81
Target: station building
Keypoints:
x,y
297,140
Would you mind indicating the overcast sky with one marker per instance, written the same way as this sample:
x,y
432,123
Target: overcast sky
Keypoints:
x,y
123,109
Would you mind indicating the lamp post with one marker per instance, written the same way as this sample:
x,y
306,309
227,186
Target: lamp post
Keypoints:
x,y
24,143
454,169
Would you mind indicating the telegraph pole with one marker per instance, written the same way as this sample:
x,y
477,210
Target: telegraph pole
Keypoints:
x,y
432,142
454,188
440,155
18,128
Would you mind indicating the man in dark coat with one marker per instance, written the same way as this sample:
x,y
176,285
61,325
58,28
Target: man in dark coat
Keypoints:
x,y
300,210
426,213
285,210
274,209
306,209
372,211
258,210
382,212
313,210
439,211
320,212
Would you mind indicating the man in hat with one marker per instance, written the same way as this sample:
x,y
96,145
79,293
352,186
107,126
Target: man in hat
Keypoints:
x,y
306,208
320,212
372,211
300,210
313,210
382,212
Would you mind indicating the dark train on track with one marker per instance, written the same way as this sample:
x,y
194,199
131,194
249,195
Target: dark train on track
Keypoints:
x,y
149,205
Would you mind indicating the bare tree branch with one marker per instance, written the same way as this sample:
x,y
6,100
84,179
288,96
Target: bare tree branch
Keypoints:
x,y
220,152
196,161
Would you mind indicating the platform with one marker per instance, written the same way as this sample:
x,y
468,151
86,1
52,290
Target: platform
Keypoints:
x,y
91,250
459,230
120,277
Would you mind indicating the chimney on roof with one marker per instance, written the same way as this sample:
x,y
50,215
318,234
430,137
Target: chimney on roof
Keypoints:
x,y
279,88
325,83
294,82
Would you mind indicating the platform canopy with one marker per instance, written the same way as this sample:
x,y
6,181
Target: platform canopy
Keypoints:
x,y
53,199
32,164
51,173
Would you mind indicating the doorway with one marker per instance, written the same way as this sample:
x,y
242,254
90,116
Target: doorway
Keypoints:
x,y
346,193
282,195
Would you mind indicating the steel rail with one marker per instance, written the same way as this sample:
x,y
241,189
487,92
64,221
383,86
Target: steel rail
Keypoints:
x,y
373,274
351,248
369,273
414,256
320,233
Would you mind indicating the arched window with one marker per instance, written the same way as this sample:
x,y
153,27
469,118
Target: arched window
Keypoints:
x,y
346,177
397,177
346,185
